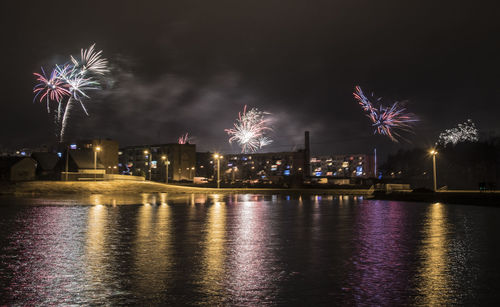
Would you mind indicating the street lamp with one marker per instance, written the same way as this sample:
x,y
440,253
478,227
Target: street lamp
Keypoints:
x,y
148,156
235,169
218,157
190,169
434,152
97,149
166,162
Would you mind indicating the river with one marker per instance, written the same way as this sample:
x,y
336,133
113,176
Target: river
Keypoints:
x,y
247,249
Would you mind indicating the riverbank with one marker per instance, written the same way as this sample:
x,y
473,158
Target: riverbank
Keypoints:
x,y
137,187
125,187
476,198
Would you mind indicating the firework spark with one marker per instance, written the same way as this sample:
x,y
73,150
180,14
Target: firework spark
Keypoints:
x,y
386,120
464,132
250,130
52,88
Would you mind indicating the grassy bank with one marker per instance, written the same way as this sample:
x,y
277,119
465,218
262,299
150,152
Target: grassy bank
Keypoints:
x,y
134,187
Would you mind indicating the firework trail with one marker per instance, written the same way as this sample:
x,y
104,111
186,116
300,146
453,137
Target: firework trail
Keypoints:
x,y
363,101
249,130
183,139
386,120
52,88
71,81
464,132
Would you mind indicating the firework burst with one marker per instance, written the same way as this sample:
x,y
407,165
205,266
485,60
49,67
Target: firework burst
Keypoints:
x,y
386,120
78,84
90,61
52,88
183,139
72,81
250,130
464,132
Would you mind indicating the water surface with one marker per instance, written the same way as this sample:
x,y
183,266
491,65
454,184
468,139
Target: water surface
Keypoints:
x,y
246,250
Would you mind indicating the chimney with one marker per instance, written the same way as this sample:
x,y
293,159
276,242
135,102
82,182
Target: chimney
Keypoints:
x,y
307,156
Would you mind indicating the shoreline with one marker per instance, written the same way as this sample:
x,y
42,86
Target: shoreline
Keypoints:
x,y
124,187
137,187
467,198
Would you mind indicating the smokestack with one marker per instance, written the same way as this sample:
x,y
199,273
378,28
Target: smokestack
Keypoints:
x,y
307,155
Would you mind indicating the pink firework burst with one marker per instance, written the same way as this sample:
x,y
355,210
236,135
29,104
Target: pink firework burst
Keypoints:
x,y
183,139
53,88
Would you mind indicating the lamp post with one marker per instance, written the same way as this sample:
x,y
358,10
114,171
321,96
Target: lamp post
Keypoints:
x,y
218,157
434,152
97,149
190,172
166,162
148,156
67,157
235,169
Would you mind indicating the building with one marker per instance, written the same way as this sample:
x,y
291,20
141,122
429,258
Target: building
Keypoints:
x,y
108,153
46,165
205,165
81,164
17,168
273,167
343,166
151,161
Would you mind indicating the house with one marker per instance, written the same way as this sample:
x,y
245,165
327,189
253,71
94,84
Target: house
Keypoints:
x,y
17,168
108,152
82,164
46,163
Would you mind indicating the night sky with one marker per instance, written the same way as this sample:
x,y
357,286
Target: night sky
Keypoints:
x,y
185,66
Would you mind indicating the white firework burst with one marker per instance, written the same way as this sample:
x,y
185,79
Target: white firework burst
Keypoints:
x,y
250,130
91,61
464,132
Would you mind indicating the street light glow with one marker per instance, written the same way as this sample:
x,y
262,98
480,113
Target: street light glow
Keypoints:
x,y
98,148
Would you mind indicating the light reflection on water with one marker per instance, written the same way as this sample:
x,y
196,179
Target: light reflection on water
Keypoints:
x,y
435,287
214,256
245,249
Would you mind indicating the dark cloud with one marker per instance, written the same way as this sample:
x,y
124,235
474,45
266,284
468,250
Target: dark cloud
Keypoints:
x,y
191,66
